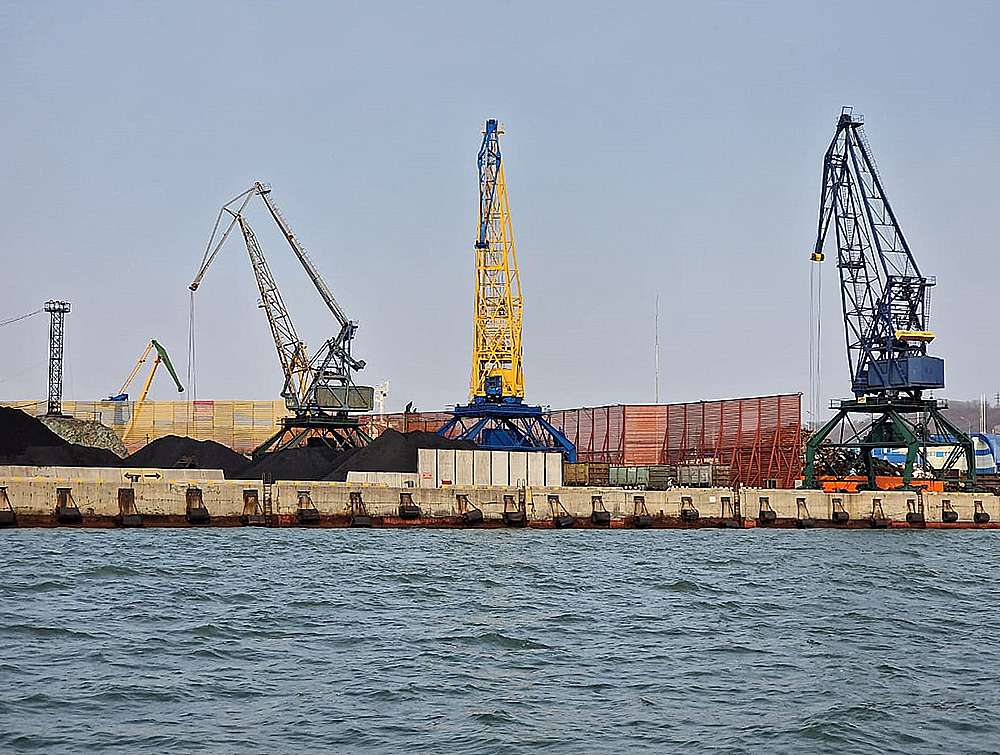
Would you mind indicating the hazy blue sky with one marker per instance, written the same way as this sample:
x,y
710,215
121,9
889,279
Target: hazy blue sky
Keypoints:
x,y
667,148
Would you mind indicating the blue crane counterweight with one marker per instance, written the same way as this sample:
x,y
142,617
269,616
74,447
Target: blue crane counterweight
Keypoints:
x,y
496,416
886,304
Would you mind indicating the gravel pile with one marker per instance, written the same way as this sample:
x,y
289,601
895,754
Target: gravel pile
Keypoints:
x,y
86,432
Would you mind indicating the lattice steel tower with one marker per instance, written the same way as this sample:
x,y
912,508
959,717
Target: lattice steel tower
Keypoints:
x,y
497,417
57,312
497,368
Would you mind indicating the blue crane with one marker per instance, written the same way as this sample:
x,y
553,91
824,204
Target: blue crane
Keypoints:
x,y
496,416
886,302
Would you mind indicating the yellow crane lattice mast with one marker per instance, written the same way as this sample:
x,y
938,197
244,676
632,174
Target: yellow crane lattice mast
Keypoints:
x,y
497,368
496,417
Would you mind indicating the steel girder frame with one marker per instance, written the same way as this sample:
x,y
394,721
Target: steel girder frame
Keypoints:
x,y
340,434
892,426
527,426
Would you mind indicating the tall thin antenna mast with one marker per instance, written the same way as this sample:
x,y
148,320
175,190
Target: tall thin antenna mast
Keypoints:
x,y
656,349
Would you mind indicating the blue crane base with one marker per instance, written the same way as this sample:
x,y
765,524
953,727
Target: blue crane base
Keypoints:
x,y
507,425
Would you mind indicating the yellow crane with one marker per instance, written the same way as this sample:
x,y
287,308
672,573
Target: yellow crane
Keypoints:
x,y
497,417
497,368
161,356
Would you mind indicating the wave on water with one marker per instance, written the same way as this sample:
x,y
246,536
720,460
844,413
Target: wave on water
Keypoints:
x,y
515,643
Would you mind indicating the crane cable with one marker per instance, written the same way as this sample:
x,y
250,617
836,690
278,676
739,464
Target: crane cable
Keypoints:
x,y
192,385
815,338
21,317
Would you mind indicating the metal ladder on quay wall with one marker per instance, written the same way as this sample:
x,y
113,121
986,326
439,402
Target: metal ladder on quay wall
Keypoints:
x,y
268,504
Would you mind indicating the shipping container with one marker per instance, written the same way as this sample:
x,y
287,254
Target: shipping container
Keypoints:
x,y
586,474
634,478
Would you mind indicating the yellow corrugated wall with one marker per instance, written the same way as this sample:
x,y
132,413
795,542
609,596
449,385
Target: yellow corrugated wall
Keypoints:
x,y
241,425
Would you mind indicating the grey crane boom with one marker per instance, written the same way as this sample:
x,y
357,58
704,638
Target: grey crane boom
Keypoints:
x,y
320,390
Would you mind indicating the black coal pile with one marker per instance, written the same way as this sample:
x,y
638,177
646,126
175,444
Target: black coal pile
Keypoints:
x,y
306,463
19,431
24,440
173,451
68,455
393,451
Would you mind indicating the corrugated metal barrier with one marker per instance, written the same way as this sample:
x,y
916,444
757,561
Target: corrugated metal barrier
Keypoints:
x,y
241,425
759,437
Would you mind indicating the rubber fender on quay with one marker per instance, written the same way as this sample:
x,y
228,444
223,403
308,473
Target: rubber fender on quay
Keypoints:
x,y
602,518
767,517
471,517
409,511
981,517
950,517
841,517
514,518
131,520
361,520
642,521
68,515
564,521
308,516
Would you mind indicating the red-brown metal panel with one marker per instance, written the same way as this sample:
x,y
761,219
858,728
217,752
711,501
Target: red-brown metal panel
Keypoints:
x,y
597,432
760,438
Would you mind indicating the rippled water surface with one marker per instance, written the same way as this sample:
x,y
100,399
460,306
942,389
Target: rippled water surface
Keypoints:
x,y
347,641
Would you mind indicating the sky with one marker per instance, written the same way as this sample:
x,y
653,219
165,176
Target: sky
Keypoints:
x,y
662,149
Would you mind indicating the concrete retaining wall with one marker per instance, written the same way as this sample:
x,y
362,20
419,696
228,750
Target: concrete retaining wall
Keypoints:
x,y
163,493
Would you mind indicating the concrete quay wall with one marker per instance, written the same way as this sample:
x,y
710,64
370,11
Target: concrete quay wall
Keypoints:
x,y
161,498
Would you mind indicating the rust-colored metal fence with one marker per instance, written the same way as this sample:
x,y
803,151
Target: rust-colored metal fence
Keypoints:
x,y
759,437
430,422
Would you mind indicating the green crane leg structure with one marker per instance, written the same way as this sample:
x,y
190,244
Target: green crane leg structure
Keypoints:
x,y
911,423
